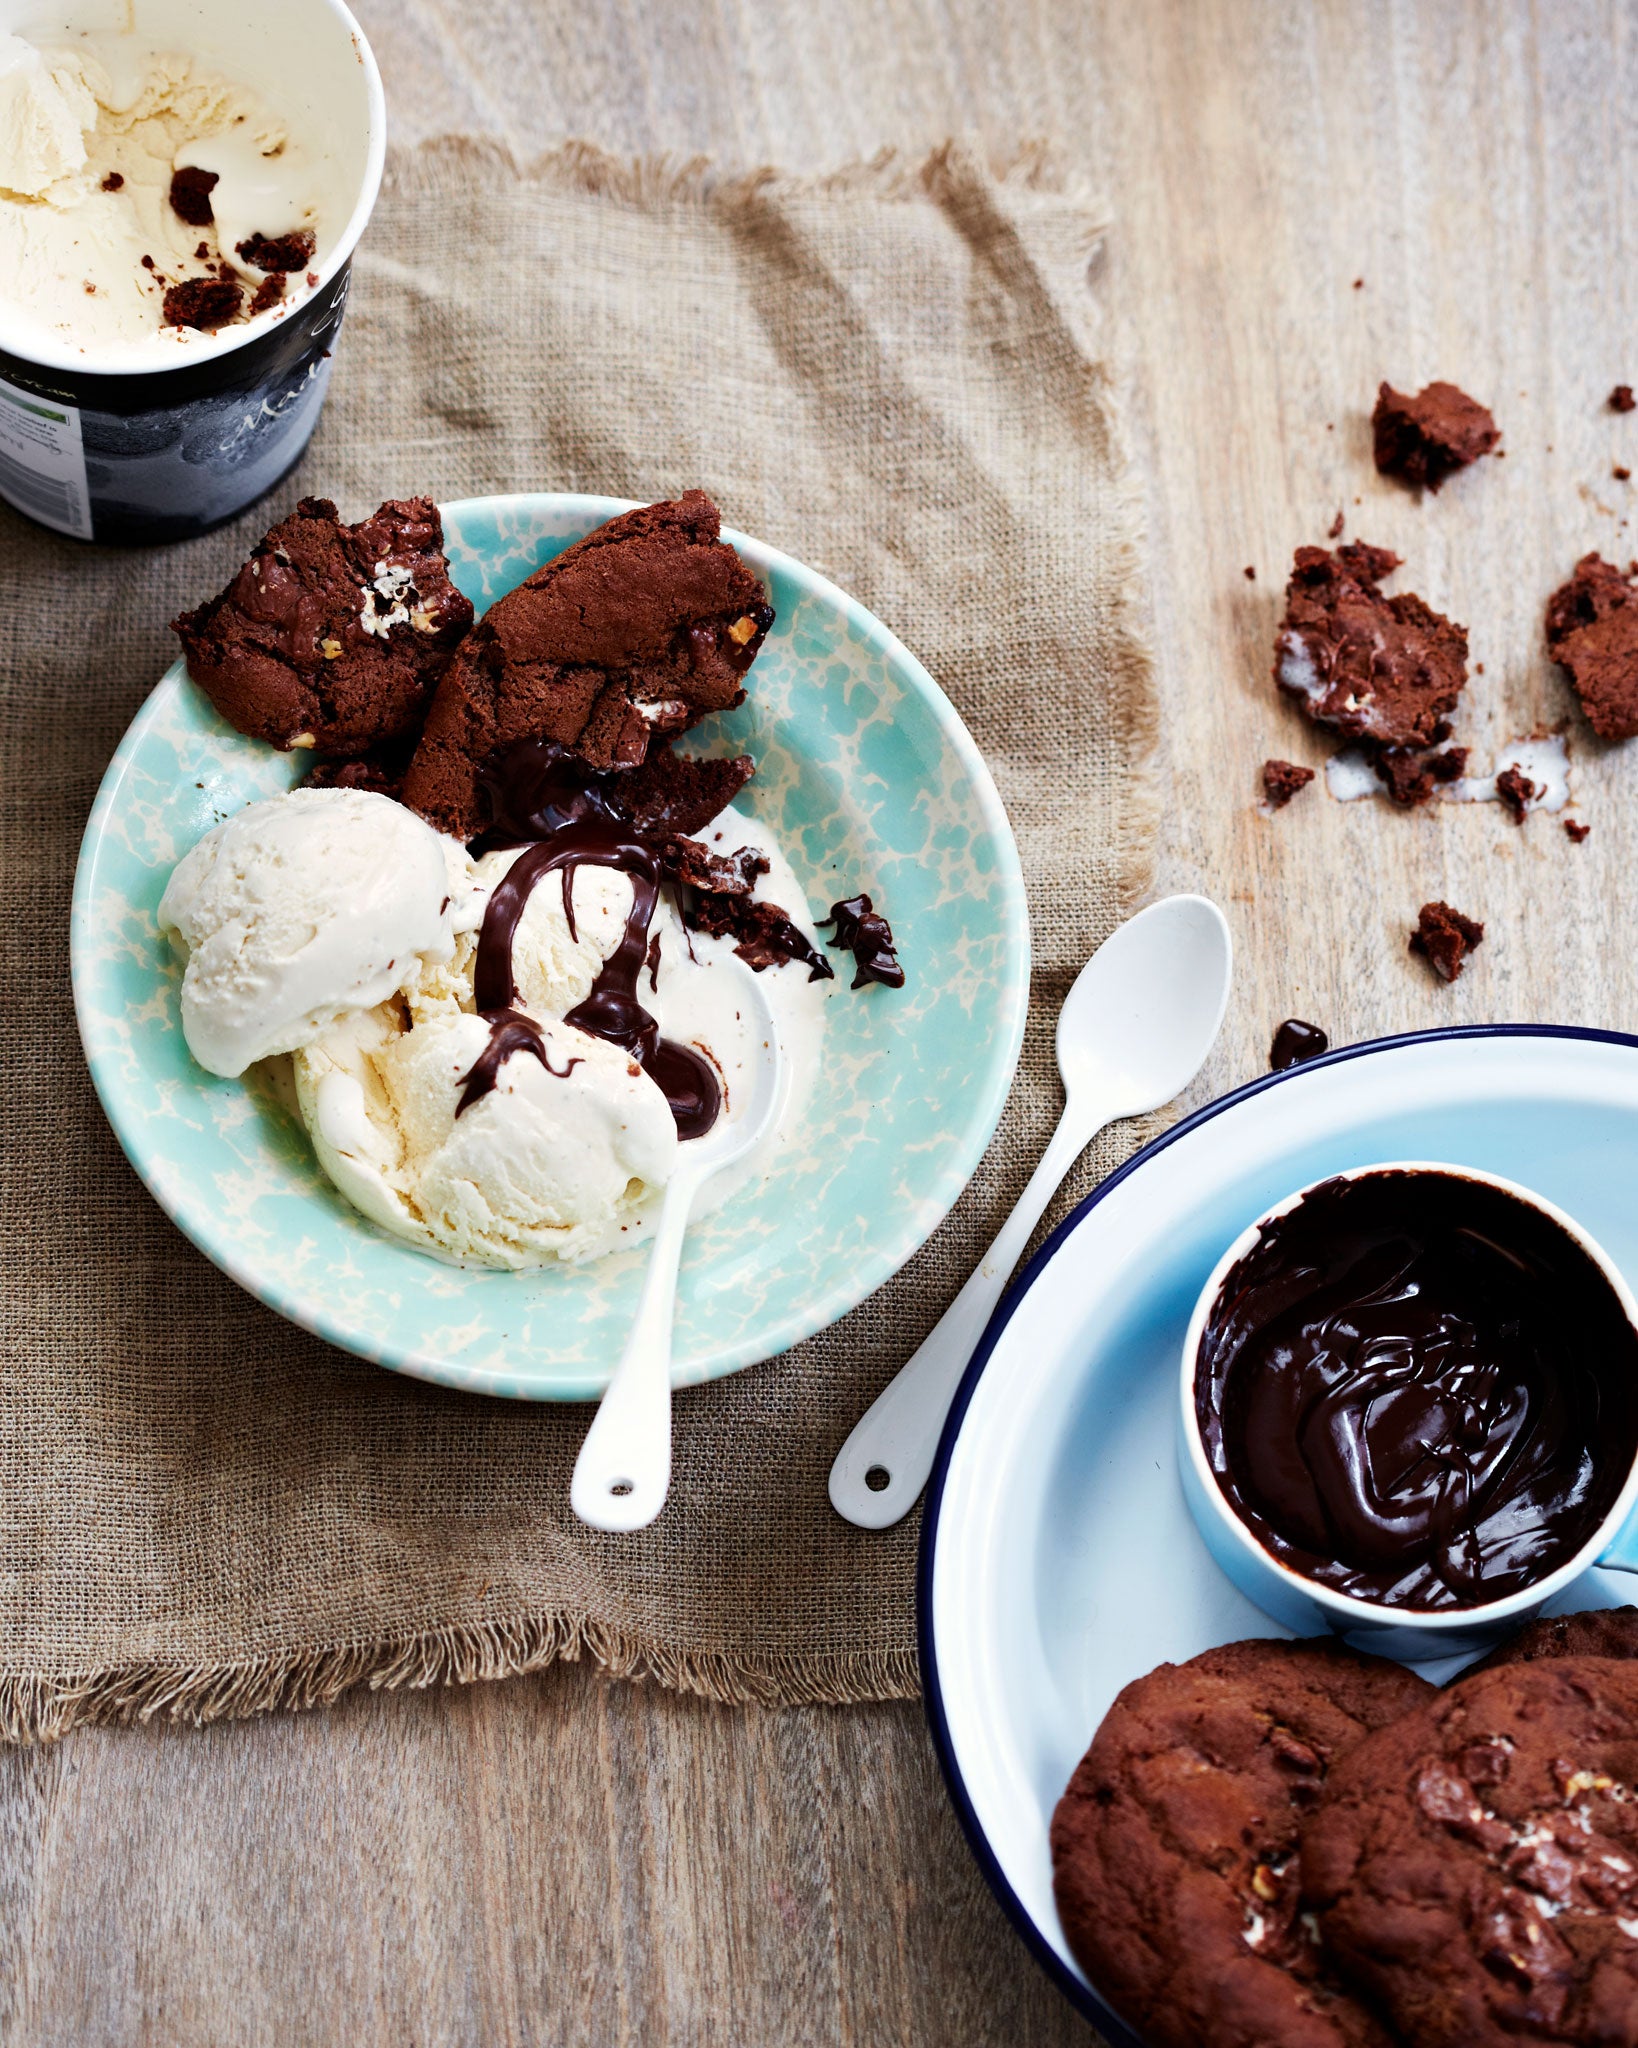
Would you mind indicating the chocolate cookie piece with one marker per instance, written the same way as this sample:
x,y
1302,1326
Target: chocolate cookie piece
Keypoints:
x,y
1444,938
1174,1848
1475,1866
1592,633
1424,439
1600,1632
331,636
635,632
1387,670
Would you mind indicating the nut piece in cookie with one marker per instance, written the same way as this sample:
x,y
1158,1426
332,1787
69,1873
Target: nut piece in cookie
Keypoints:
x,y
634,633
1387,670
1475,1866
1599,1632
1174,1850
1444,938
1424,439
1592,633
331,636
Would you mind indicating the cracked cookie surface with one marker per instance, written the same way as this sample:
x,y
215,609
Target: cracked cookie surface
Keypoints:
x,y
1174,1849
633,634
1475,1867
331,637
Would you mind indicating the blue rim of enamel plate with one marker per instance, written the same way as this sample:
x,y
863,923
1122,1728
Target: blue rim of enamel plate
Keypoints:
x,y
913,1200
1086,2001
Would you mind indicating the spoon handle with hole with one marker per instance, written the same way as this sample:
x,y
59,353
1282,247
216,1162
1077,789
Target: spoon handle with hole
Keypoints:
x,y
624,1468
899,1433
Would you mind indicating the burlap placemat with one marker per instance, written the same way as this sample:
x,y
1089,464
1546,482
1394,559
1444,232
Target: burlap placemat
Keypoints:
x,y
895,375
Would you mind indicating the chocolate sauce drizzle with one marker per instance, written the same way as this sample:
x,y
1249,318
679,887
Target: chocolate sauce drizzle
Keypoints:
x,y
1418,1390
510,1031
581,831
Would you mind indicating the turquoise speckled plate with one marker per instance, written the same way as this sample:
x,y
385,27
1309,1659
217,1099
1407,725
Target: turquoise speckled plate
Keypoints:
x,y
871,781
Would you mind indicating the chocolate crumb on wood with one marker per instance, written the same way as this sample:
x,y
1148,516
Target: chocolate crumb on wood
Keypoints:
x,y
1282,780
1428,437
1444,938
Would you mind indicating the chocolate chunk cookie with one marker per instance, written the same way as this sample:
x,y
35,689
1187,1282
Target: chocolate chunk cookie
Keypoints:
x,y
1174,1850
1600,1632
1424,439
635,632
1386,670
331,636
1475,1866
1592,633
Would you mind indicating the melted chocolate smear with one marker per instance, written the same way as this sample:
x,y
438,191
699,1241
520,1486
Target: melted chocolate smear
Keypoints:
x,y
510,1031
1418,1390
1294,1042
586,835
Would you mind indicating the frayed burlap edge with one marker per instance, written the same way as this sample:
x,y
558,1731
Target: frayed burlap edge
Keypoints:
x,y
39,1708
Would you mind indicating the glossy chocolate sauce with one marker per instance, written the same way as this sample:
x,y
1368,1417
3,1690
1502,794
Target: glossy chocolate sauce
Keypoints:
x,y
1295,1041
1417,1390
584,833
510,1031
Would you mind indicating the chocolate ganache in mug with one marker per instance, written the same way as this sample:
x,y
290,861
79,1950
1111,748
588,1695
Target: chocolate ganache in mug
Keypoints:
x,y
1418,1390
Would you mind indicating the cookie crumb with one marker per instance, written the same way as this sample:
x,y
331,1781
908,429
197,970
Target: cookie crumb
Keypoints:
x,y
114,181
1334,530
1428,437
1282,780
203,302
1575,831
1621,473
1517,791
1444,938
1249,573
1621,399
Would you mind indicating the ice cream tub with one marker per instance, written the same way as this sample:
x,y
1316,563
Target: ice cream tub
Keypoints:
x,y
182,186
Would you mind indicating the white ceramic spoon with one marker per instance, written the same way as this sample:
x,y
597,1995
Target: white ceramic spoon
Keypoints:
x,y
624,1468
1134,1031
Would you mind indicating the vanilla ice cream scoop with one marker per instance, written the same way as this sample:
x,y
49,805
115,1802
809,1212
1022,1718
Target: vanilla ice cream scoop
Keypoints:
x,y
45,107
304,909
556,1160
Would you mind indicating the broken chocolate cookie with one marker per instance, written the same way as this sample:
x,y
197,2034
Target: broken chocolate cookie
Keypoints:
x,y
632,634
1386,670
331,636
1592,633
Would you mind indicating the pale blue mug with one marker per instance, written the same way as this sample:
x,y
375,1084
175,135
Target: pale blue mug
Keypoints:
x,y
1310,1609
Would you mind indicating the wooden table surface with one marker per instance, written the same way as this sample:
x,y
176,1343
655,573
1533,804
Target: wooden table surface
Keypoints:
x,y
565,1860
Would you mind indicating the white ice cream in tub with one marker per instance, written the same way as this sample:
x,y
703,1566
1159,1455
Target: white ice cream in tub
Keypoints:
x,y
244,397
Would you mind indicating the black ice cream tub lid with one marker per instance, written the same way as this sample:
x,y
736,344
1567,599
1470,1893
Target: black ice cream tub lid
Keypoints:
x,y
175,434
